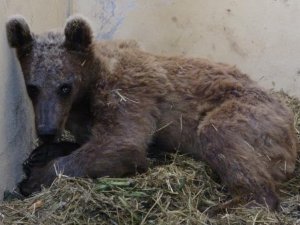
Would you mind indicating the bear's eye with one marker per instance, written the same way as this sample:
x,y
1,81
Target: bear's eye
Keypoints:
x,y
65,90
32,91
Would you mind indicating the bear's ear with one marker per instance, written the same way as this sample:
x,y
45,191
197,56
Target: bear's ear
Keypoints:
x,y
18,32
78,33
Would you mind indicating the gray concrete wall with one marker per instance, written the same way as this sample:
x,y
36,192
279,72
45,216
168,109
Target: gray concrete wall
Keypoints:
x,y
260,37
16,129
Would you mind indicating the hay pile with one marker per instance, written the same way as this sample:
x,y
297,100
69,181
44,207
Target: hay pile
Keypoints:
x,y
176,190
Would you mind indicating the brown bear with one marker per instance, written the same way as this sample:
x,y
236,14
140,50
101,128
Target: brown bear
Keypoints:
x,y
118,100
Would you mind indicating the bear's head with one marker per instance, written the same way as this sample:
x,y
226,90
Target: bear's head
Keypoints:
x,y
53,69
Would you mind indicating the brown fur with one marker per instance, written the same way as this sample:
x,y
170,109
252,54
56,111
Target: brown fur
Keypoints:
x,y
124,99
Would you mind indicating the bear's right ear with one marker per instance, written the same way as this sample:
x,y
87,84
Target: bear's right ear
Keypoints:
x,y
78,33
18,32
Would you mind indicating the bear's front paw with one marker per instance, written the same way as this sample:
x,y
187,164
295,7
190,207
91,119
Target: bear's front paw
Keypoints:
x,y
48,152
39,176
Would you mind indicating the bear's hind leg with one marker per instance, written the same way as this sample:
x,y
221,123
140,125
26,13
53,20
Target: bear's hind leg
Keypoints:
x,y
232,140
238,167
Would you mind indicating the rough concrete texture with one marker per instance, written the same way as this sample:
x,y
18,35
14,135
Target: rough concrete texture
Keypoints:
x,y
260,37
16,126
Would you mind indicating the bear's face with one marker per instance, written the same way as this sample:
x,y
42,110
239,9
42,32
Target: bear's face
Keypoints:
x,y
52,67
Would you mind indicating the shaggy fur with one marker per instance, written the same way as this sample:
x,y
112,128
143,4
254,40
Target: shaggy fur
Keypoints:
x,y
120,100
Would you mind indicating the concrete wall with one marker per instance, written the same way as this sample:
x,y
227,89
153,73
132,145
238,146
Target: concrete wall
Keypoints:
x,y
260,37
16,129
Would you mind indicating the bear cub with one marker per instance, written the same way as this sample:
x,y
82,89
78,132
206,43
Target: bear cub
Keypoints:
x,y
118,100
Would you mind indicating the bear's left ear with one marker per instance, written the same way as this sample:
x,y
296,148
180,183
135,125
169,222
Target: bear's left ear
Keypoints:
x,y
78,33
18,32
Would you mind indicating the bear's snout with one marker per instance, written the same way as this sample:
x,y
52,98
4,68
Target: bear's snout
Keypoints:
x,y
47,134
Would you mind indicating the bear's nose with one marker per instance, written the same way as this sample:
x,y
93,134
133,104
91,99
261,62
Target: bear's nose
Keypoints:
x,y
47,134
